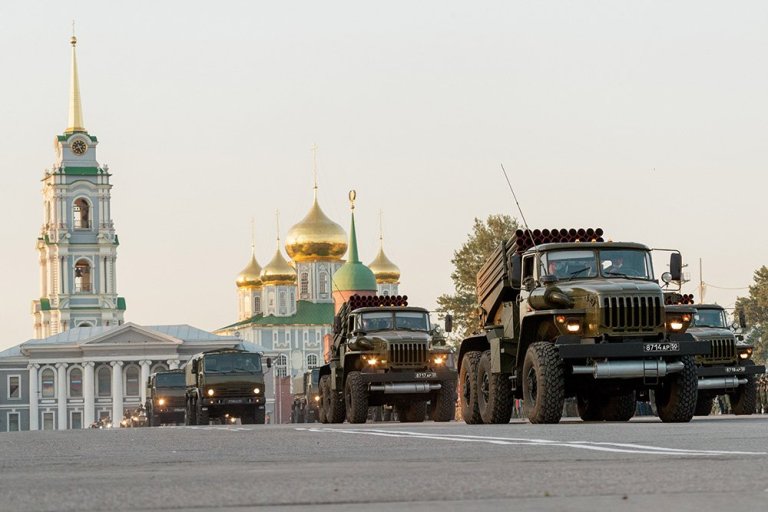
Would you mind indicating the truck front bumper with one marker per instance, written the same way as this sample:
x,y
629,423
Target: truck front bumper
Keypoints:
x,y
676,345
726,377
419,382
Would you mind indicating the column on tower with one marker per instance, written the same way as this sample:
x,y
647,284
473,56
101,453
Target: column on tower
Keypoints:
x,y
61,385
117,392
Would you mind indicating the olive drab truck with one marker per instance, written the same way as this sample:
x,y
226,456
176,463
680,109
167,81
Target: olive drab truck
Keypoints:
x,y
566,314
306,397
386,353
166,401
728,369
225,385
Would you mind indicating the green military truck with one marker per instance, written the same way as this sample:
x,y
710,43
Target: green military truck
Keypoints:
x,y
223,385
386,353
728,369
166,402
566,314
306,397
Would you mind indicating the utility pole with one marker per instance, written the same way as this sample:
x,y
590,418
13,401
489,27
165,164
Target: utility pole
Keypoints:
x,y
701,283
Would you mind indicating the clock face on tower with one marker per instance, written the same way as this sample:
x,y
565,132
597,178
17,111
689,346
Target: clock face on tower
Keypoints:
x,y
79,147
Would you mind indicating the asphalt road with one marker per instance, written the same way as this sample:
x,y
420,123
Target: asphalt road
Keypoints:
x,y
709,464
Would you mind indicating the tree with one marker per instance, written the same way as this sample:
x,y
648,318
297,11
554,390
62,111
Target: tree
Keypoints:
x,y
755,309
467,260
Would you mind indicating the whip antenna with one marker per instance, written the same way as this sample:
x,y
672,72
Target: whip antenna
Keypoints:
x,y
522,215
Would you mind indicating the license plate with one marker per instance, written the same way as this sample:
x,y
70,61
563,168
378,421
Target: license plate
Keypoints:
x,y
736,369
426,375
235,401
662,347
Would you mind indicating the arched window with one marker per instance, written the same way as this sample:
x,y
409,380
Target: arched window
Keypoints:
x,y
323,282
76,383
47,378
104,381
281,365
311,361
282,302
132,381
304,285
85,324
81,214
83,277
257,305
159,368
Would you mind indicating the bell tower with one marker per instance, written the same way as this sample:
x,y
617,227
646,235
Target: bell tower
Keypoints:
x,y
77,245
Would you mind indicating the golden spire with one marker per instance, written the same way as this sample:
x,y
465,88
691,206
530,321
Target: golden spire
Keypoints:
x,y
382,267
278,271
250,276
316,237
75,123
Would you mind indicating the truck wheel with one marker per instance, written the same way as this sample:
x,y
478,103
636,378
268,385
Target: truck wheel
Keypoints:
x,y
676,397
414,412
189,413
543,383
468,392
324,398
356,398
619,407
202,417
744,399
703,404
260,417
494,392
444,401
589,405
154,421
333,402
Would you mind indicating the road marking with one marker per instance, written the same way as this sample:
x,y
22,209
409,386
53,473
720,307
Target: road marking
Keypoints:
x,y
515,441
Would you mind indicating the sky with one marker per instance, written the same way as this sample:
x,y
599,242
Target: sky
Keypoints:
x,y
647,119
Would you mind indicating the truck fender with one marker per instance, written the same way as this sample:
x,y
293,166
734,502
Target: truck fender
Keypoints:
x,y
478,343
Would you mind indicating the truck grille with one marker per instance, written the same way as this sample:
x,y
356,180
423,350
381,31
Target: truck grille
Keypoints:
x,y
633,314
723,351
408,354
232,390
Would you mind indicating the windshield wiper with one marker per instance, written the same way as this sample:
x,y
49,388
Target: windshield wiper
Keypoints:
x,y
577,272
620,274
410,329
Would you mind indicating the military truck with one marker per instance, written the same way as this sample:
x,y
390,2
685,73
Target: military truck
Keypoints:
x,y
385,352
166,402
223,385
728,369
306,397
566,314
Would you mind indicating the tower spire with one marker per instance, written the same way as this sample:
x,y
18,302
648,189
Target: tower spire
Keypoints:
x,y
314,166
75,122
353,256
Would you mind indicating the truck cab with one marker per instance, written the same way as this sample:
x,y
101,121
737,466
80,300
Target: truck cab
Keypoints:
x,y
166,401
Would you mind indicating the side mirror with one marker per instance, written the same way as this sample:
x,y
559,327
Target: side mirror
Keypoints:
x,y
742,319
448,323
676,266
269,362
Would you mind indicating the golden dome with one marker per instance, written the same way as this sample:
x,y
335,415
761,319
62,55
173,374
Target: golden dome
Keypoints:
x,y
278,271
384,270
250,276
316,237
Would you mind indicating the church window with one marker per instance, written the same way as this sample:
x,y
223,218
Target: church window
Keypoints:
x,y
81,214
75,420
49,422
76,383
256,305
47,379
282,302
311,361
13,422
83,277
132,381
323,282
304,285
282,365
104,381
14,387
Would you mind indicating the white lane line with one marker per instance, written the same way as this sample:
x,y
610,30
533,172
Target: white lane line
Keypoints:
x,y
511,441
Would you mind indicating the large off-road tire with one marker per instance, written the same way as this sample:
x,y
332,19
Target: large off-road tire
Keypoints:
x,y
324,386
703,404
190,416
676,396
543,383
154,420
333,402
468,388
444,402
356,398
494,392
413,412
744,399
589,404
260,417
201,415
619,407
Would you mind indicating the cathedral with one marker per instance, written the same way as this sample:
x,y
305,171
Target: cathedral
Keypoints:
x,y
86,363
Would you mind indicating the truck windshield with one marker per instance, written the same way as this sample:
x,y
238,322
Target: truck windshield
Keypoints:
x,y
389,320
568,264
710,318
170,380
233,363
626,263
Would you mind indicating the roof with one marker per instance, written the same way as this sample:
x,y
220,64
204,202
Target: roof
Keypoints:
x,y
78,335
588,245
307,313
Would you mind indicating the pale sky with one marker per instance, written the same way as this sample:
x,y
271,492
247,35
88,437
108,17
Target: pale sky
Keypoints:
x,y
648,119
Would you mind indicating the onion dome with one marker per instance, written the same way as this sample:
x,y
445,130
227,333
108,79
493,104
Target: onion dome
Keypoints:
x,y
353,275
383,269
316,237
278,271
250,276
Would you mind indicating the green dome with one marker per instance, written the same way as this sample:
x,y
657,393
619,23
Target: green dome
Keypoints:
x,y
354,276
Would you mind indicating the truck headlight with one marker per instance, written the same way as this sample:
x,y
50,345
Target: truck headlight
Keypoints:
x,y
572,324
257,390
317,398
745,353
210,392
678,323
161,401
439,360
372,361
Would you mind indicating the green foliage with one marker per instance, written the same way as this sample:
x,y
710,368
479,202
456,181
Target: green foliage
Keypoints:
x,y
467,260
755,308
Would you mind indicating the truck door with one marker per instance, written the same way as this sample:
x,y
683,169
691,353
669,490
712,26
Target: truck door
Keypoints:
x,y
528,281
